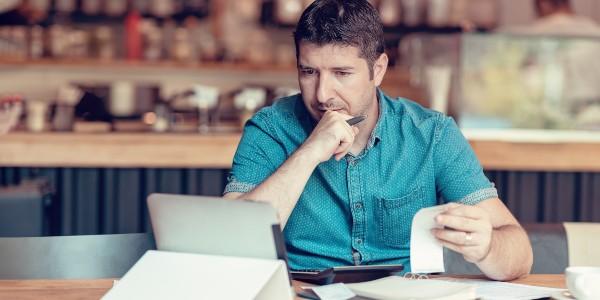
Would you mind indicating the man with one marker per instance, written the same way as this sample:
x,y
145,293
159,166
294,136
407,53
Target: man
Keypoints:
x,y
556,17
347,194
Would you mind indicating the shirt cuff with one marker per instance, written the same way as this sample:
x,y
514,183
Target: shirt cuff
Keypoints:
x,y
478,196
238,187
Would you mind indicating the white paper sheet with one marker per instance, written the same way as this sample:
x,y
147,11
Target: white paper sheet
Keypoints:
x,y
497,290
426,253
337,291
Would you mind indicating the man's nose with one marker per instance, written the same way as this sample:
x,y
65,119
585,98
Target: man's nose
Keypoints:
x,y
324,89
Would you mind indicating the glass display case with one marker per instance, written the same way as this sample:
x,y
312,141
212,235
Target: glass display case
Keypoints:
x,y
529,82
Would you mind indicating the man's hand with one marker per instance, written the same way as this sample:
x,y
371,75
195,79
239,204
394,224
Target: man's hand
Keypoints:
x,y
332,136
468,231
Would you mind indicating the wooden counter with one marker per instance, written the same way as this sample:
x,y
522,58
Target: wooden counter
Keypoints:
x,y
497,150
536,150
118,150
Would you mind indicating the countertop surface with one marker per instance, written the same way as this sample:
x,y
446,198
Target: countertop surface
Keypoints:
x,y
496,149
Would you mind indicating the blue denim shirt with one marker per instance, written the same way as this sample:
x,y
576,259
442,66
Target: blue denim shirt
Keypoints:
x,y
359,210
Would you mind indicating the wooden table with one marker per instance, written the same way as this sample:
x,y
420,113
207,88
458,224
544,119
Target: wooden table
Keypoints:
x,y
94,289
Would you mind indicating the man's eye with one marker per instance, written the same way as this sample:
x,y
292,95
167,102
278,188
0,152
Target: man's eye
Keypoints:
x,y
308,71
342,73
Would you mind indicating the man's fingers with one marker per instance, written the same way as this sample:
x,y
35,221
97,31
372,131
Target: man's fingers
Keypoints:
x,y
466,211
346,142
457,223
334,126
340,154
469,253
455,237
453,247
343,149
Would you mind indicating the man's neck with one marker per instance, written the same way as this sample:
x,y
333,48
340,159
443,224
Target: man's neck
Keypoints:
x,y
366,128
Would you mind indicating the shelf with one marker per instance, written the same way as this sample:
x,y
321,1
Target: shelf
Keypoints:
x,y
140,64
129,150
395,83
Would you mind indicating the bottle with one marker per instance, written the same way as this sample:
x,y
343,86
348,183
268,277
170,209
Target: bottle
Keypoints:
x,y
116,8
438,13
288,11
133,37
36,42
65,6
91,7
104,43
391,12
413,12
483,13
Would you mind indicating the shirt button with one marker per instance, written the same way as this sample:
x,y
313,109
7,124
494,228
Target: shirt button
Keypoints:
x,y
358,206
359,241
352,163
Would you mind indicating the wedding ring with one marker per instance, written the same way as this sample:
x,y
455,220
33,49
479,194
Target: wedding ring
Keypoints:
x,y
468,238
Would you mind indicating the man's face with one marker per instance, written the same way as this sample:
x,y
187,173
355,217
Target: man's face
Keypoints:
x,y
334,77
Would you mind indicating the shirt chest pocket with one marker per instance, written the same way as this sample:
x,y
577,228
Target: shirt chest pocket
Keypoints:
x,y
394,217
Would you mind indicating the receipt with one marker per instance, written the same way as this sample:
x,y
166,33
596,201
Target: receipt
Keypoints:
x,y
426,253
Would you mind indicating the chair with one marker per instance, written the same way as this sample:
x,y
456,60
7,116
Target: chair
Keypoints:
x,y
22,208
550,252
72,257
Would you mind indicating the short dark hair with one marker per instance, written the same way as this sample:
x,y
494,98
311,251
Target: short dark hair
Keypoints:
x,y
344,22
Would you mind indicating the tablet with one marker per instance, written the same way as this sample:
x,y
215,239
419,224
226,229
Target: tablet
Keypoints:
x,y
346,274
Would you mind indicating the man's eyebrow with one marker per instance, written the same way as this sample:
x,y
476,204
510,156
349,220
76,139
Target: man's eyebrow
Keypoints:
x,y
343,68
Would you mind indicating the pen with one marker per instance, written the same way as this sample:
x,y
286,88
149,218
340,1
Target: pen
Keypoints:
x,y
355,120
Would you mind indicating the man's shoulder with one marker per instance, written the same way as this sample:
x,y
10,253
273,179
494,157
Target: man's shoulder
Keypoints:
x,y
412,112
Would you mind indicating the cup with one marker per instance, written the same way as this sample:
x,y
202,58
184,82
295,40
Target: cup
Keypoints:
x,y
36,115
583,282
439,79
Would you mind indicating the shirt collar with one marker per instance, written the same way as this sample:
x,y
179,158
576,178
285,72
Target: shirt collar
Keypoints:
x,y
382,100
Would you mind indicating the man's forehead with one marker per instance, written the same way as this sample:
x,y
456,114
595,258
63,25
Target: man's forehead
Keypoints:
x,y
333,54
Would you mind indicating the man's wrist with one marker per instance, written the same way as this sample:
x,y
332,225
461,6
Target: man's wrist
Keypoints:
x,y
308,156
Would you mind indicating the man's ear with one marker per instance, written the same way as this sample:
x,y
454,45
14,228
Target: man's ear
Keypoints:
x,y
379,68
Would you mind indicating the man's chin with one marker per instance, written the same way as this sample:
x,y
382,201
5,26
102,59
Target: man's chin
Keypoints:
x,y
317,115
321,113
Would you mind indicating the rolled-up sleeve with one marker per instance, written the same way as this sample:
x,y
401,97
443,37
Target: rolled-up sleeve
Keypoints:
x,y
458,174
258,155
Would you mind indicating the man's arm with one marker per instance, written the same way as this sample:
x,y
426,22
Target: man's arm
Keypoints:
x,y
284,187
488,235
332,136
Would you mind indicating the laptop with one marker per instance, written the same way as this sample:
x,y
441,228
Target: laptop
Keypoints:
x,y
215,226
218,226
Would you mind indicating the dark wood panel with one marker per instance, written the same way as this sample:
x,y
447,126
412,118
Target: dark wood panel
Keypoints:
x,y
65,197
108,200
87,192
128,201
